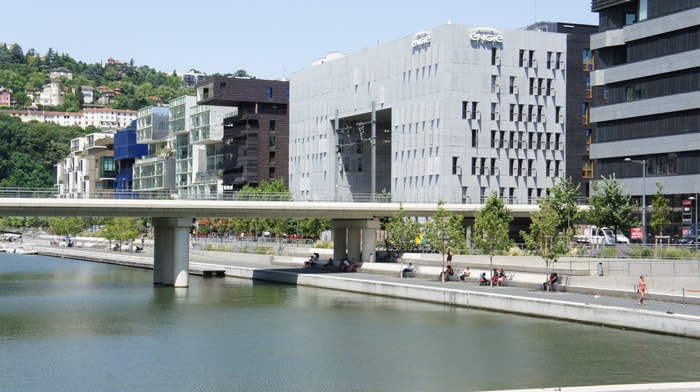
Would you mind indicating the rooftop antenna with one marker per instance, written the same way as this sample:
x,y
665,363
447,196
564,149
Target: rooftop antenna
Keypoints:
x,y
535,10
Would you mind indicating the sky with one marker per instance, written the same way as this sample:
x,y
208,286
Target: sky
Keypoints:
x,y
269,39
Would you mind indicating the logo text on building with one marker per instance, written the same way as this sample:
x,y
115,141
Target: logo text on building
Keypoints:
x,y
486,35
420,38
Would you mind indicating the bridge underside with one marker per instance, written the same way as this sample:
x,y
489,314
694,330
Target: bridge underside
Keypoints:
x,y
354,239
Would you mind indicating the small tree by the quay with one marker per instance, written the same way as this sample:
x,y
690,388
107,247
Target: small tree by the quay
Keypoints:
x,y
490,233
444,231
401,232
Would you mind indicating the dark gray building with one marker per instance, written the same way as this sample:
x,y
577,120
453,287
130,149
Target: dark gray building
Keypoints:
x,y
256,133
646,77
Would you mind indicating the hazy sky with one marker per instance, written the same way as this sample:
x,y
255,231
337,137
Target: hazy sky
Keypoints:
x,y
269,38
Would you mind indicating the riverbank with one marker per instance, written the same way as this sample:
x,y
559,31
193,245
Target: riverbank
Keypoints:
x,y
658,316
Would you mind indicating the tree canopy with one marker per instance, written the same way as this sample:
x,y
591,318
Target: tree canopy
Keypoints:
x,y
609,207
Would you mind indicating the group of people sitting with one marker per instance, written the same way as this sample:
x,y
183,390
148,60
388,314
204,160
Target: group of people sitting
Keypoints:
x,y
345,265
349,266
311,261
497,276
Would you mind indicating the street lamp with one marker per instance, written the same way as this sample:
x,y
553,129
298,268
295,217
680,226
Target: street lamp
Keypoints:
x,y
642,162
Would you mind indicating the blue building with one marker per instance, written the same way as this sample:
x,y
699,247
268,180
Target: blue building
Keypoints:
x,y
126,150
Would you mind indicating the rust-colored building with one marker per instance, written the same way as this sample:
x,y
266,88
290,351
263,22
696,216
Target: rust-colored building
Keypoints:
x,y
256,133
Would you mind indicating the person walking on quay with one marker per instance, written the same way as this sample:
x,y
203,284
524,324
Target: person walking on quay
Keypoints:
x,y
641,289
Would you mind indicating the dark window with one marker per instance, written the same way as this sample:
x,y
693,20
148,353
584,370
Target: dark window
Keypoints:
x,y
269,93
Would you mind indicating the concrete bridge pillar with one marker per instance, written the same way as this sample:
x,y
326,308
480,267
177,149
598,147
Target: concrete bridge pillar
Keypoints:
x,y
340,243
356,238
354,243
171,259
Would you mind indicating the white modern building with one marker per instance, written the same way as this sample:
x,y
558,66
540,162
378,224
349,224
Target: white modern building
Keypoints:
x,y
89,171
184,148
453,113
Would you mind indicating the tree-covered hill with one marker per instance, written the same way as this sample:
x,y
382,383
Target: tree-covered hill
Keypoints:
x,y
29,151
138,86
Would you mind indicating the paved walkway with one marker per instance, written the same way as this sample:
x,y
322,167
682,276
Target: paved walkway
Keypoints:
x,y
215,258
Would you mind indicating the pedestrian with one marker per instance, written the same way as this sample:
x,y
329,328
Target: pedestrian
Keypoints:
x,y
641,289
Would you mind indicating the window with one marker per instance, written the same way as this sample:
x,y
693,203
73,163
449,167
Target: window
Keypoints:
x,y
511,168
272,141
513,88
475,138
271,172
272,125
475,107
532,61
494,56
272,158
269,93
475,166
532,86
589,89
550,62
584,113
589,139
522,60
588,60
454,164
587,168
513,113
558,117
494,112
494,139
559,61
550,87
465,109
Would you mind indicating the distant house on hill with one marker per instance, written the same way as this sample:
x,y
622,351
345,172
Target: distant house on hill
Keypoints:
x,y
88,94
5,97
51,94
56,73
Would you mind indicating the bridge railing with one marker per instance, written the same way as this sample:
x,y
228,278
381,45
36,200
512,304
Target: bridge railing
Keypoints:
x,y
355,197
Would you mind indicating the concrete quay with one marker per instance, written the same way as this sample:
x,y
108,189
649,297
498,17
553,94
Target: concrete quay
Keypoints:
x,y
571,303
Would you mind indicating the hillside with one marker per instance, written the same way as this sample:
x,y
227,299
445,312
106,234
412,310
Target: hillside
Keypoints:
x,y
28,152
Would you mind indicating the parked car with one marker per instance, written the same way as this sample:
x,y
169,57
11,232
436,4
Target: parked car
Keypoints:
x,y
621,238
687,240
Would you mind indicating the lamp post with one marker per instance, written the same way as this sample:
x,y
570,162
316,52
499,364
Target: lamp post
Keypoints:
x,y
643,162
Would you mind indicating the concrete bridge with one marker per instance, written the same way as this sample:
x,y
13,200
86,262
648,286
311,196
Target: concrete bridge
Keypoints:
x,y
354,225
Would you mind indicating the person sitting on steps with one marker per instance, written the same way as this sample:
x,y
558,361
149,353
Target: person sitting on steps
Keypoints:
x,y
465,275
445,275
551,283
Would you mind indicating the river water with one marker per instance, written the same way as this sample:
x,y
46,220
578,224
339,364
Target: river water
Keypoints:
x,y
68,325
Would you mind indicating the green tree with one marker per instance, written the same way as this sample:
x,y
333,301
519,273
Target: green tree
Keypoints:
x,y
401,231
122,229
609,207
661,218
545,239
66,225
562,199
490,233
444,231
